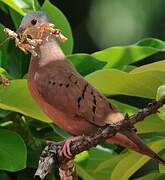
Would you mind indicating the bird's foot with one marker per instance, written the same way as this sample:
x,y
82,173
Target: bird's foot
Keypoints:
x,y
65,146
66,151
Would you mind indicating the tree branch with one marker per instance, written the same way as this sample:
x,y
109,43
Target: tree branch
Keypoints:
x,y
51,155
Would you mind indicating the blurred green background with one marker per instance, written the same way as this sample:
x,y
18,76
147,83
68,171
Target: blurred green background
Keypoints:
x,y
97,24
111,51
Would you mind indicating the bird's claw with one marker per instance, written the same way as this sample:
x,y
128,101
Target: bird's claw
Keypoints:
x,y
66,149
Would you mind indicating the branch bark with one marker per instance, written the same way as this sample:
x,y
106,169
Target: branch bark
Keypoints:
x,y
51,155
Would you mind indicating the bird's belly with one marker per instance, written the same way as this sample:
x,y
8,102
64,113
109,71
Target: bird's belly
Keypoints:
x,y
72,124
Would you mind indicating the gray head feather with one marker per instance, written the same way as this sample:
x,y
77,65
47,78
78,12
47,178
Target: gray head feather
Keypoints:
x,y
38,17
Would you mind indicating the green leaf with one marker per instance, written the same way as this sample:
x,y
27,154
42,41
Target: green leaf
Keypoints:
x,y
161,166
13,151
4,73
104,169
91,160
16,62
134,161
4,113
12,59
114,82
60,22
14,6
30,4
152,176
160,93
16,17
151,42
3,7
81,156
3,46
85,64
82,173
59,131
157,66
16,98
117,57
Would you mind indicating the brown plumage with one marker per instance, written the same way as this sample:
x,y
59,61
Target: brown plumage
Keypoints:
x,y
67,98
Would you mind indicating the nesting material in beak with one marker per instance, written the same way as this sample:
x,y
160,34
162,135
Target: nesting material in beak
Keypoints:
x,y
51,30
26,44
61,38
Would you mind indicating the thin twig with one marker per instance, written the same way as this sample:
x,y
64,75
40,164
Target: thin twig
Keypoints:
x,y
51,155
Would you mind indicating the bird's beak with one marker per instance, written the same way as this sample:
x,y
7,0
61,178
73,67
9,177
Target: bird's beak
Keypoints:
x,y
20,30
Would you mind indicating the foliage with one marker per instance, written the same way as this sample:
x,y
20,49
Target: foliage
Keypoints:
x,y
113,71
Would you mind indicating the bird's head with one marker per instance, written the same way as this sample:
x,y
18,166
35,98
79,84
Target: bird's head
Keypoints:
x,y
31,25
32,20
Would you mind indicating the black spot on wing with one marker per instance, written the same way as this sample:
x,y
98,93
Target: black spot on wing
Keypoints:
x,y
94,109
67,85
81,97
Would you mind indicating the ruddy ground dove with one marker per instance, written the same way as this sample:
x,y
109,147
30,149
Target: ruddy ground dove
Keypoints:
x,y
66,97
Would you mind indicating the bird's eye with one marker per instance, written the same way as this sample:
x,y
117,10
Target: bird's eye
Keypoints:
x,y
33,21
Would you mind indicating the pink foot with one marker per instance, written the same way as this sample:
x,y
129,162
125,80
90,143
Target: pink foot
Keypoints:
x,y
66,149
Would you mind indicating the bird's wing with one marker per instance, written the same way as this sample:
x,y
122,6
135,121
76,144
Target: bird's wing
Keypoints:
x,y
63,88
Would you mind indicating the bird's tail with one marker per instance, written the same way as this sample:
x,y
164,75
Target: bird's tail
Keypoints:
x,y
131,140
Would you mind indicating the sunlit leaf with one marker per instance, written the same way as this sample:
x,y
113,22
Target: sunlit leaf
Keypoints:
x,y
157,66
14,6
117,57
16,98
115,82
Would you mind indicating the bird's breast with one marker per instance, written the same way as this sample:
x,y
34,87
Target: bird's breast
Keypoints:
x,y
71,124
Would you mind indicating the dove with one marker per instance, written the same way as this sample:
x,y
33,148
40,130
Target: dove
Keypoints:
x,y
66,97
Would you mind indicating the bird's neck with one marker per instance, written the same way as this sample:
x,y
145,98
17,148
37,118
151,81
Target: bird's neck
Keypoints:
x,y
50,51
